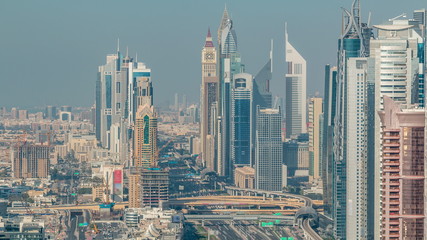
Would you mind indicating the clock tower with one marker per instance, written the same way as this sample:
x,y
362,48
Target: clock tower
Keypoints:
x,y
208,97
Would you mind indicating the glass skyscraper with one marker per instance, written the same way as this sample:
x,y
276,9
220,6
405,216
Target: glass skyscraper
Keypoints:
x,y
241,119
269,150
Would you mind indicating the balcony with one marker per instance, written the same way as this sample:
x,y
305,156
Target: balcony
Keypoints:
x,y
391,137
391,169
391,157
391,144
391,150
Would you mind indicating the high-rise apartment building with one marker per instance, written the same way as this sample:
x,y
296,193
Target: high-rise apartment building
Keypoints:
x,y
350,192
403,178
296,88
269,150
241,119
315,111
30,161
209,96
145,137
395,66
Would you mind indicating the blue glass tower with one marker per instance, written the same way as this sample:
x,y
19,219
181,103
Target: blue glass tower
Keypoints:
x,y
241,120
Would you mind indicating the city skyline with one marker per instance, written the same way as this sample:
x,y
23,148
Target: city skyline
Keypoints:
x,y
81,47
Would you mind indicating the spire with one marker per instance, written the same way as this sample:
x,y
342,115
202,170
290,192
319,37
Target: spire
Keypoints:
x,y
208,42
224,21
209,33
127,51
286,32
118,44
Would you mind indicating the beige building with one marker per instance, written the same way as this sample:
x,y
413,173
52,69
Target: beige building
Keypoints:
x,y
98,192
30,161
134,189
208,95
145,137
244,177
315,110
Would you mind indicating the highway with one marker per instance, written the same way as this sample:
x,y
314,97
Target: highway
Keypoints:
x,y
226,217
309,233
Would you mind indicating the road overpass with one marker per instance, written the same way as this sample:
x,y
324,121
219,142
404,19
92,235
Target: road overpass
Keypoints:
x,y
237,203
305,224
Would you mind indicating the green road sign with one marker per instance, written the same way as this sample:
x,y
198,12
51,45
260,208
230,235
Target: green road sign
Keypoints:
x,y
73,194
277,214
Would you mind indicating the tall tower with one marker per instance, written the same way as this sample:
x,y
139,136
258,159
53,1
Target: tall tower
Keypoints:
x,y
241,119
396,68
145,137
327,136
229,63
314,129
269,150
403,199
351,142
209,95
296,91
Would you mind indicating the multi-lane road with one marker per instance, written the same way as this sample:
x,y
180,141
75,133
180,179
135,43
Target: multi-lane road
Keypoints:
x,y
244,230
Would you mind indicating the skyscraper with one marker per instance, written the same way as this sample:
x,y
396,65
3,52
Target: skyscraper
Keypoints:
x,y
145,137
269,150
395,66
176,102
30,161
241,119
327,136
209,95
314,129
403,179
350,129
122,86
262,95
229,63
296,87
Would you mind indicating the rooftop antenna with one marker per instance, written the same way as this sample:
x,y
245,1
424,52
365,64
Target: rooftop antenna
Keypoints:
x,y
127,51
118,44
369,19
271,55
400,16
136,57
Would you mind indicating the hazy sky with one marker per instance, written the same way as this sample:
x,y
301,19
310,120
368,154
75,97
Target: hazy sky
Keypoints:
x,y
50,50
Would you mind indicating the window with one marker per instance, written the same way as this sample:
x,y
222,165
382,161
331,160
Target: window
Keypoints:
x,y
117,87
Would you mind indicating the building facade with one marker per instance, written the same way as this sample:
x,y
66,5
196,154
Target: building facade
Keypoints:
x,y
145,137
241,119
269,150
209,96
315,111
30,161
403,178
296,91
